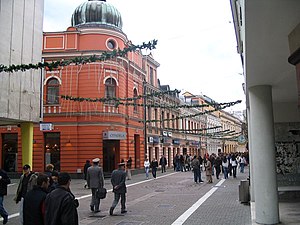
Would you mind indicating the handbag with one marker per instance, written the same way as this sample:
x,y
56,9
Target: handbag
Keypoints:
x,y
101,193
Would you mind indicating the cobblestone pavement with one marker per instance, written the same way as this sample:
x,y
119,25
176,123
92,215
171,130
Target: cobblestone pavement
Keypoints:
x,y
172,198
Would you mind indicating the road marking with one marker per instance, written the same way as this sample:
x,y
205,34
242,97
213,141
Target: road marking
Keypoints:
x,y
110,190
128,185
196,205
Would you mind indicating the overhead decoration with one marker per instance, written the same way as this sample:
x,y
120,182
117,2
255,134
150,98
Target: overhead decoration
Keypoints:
x,y
107,55
118,100
217,108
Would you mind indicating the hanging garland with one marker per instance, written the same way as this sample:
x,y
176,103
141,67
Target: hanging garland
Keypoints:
x,y
202,129
118,100
78,60
220,107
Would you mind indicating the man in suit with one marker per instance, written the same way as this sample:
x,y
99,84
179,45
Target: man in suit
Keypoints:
x,y
118,178
95,180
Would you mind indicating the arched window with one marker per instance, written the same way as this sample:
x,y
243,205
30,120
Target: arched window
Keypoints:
x,y
135,101
52,91
110,89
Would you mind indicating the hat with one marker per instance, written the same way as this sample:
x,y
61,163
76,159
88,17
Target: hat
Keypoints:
x,y
95,160
26,167
121,164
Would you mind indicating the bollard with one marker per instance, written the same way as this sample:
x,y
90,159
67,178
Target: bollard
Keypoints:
x,y
244,196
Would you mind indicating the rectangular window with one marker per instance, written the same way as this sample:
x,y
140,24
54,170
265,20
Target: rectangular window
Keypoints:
x,y
151,76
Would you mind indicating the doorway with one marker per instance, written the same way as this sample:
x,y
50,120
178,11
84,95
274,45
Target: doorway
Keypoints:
x,y
52,149
9,152
111,155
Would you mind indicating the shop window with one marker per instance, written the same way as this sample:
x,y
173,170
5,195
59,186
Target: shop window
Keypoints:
x,y
52,149
9,152
52,91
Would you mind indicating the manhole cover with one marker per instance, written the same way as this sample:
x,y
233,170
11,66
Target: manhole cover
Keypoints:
x,y
165,206
129,223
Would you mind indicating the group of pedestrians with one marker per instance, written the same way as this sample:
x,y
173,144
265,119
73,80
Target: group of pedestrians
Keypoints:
x,y
153,165
45,198
95,181
225,163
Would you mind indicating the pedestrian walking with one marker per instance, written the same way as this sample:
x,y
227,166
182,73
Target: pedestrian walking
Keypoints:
x,y
195,164
85,168
225,167
163,163
95,180
118,179
242,163
128,165
234,164
218,164
4,181
154,165
208,170
147,167
26,183
61,205
34,202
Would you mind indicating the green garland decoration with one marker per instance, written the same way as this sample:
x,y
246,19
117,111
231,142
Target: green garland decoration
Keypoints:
x,y
78,60
219,107
118,101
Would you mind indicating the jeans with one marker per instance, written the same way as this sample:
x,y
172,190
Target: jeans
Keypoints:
x,y
116,200
242,165
197,175
147,172
225,171
234,171
154,172
3,212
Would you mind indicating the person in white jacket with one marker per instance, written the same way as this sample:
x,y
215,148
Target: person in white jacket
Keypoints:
x,y
147,166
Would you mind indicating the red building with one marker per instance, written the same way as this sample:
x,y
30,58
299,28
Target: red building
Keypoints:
x,y
72,130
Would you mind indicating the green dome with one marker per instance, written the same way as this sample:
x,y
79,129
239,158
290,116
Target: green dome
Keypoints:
x,y
97,13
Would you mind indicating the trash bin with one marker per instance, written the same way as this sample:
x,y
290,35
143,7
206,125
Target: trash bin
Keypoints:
x,y
244,195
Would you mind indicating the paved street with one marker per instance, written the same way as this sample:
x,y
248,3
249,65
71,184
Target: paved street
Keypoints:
x,y
172,198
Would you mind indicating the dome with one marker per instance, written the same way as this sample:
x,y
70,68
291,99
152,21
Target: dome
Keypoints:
x,y
97,13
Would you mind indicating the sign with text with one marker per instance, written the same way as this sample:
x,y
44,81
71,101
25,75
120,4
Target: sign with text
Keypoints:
x,y
114,135
46,126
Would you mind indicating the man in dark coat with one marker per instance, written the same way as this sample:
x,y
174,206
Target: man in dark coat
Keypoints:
x,y
61,205
34,202
85,168
4,181
95,180
163,162
118,178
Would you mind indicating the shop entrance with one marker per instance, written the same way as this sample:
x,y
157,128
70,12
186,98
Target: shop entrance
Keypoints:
x,y
9,152
111,155
52,149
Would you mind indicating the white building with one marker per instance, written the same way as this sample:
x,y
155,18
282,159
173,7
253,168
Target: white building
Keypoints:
x,y
21,27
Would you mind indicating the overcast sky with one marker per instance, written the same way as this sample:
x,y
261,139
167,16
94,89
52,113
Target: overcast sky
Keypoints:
x,y
196,41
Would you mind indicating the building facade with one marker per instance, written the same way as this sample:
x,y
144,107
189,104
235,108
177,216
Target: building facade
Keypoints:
x,y
21,24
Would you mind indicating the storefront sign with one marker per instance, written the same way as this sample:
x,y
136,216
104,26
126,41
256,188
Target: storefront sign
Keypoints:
x,y
114,135
153,139
166,140
176,141
46,126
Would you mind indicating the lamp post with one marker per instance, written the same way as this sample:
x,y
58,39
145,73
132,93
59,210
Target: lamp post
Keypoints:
x,y
145,117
